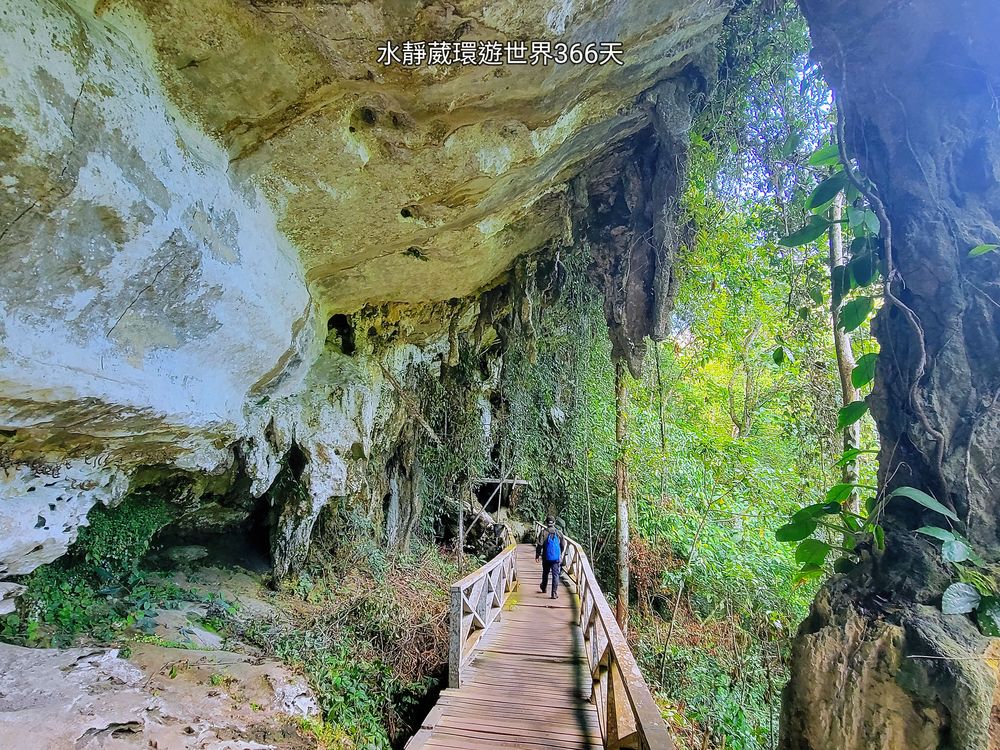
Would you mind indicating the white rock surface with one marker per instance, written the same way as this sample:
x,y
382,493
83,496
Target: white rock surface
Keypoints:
x,y
91,699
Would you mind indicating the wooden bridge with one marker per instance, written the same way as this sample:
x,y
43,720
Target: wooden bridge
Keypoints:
x,y
528,671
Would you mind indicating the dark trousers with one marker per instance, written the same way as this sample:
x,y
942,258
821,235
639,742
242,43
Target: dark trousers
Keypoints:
x,y
550,566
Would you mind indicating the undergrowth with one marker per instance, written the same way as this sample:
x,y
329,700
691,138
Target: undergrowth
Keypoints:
x,y
369,632
96,592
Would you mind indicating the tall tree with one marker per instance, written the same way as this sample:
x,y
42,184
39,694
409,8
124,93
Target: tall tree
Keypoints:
x,y
877,664
842,342
621,494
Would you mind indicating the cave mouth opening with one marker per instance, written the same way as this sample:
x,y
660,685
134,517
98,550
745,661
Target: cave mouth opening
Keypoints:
x,y
240,543
342,326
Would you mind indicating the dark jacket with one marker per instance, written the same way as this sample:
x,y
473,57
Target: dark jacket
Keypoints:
x,y
543,535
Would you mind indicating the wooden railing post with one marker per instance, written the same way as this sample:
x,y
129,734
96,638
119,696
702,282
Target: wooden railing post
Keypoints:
x,y
455,611
627,714
476,602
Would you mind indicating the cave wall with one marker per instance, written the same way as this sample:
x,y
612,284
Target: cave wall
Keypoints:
x,y
917,84
191,191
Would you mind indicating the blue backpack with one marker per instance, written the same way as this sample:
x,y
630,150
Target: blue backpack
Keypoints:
x,y
553,549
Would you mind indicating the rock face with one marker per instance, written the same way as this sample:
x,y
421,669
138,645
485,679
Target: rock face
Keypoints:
x,y
920,117
160,698
226,229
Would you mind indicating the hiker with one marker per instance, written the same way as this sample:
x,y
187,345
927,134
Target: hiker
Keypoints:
x,y
548,549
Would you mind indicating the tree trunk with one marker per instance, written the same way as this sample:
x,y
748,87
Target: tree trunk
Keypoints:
x,y
876,664
842,345
621,494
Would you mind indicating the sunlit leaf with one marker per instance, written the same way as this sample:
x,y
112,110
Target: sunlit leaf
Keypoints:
x,y
825,156
864,370
879,534
813,230
839,492
982,249
816,295
959,599
849,455
808,573
924,499
855,312
851,414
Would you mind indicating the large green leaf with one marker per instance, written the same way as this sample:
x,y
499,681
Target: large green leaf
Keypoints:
x,y
864,370
955,551
812,552
839,493
924,499
782,355
791,145
988,616
825,156
938,533
809,573
855,312
795,531
816,295
872,224
959,599
813,230
982,249
849,455
879,535
863,269
826,191
851,414
812,511
840,280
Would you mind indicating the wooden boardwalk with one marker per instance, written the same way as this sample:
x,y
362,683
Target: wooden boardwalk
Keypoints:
x,y
528,684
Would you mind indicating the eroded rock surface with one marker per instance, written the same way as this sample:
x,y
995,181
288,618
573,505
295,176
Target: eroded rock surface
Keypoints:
x,y
157,698
192,194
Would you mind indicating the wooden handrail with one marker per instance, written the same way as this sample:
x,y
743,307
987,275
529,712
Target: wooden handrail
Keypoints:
x,y
629,717
476,603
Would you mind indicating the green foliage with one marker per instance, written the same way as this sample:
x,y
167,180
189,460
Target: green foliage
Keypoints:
x,y
982,249
864,370
816,227
855,312
116,539
369,650
921,497
851,413
96,591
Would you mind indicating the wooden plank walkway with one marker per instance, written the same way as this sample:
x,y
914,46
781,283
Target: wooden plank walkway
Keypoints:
x,y
528,685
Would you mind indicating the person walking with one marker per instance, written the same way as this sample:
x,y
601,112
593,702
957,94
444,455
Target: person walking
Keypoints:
x,y
548,549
